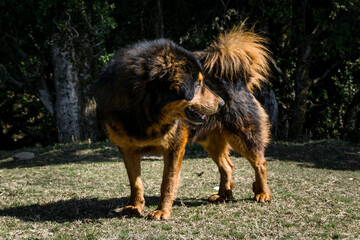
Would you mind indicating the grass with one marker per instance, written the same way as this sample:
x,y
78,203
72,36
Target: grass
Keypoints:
x,y
77,191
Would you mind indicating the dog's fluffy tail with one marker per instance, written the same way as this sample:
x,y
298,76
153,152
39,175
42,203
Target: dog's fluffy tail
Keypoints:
x,y
238,53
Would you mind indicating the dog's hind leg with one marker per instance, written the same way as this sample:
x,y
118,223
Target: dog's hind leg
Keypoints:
x,y
255,155
218,149
133,168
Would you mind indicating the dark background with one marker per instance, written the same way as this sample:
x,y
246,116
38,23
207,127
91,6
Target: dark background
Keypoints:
x,y
51,52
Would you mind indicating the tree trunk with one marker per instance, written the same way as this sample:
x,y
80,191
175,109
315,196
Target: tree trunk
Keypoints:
x,y
302,85
352,127
66,79
159,19
74,86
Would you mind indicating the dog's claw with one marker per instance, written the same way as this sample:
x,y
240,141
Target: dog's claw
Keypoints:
x,y
158,215
263,197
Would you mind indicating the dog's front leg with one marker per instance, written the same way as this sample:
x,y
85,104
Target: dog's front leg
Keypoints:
x,y
172,164
137,201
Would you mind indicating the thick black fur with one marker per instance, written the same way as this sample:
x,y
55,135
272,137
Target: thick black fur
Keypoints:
x,y
142,85
239,113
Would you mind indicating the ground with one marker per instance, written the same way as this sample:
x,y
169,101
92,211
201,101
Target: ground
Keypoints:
x,y
76,191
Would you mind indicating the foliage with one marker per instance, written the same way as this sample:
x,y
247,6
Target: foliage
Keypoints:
x,y
27,68
331,28
330,100
22,115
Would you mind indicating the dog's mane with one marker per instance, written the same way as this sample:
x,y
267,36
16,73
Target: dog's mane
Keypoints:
x,y
238,53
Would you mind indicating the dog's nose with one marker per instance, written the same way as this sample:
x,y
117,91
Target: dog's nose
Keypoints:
x,y
221,103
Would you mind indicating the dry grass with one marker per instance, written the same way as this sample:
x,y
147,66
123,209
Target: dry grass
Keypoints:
x,y
76,192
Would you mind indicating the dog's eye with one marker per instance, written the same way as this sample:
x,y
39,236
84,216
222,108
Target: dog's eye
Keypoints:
x,y
198,86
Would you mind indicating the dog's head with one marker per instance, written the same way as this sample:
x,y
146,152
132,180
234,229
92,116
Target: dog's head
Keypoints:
x,y
204,102
196,102
186,96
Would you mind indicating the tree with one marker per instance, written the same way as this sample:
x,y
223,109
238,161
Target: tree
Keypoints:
x,y
55,58
51,52
310,41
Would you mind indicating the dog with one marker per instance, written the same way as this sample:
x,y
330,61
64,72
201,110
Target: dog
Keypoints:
x,y
234,65
146,96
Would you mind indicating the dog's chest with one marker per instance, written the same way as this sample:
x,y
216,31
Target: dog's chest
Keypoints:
x,y
150,143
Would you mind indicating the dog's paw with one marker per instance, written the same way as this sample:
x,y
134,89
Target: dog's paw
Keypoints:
x,y
216,198
263,197
132,211
158,215
225,197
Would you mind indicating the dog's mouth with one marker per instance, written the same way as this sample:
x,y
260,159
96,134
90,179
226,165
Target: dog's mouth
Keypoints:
x,y
194,115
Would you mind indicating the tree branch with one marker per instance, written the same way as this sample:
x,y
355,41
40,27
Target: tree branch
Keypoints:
x,y
45,97
282,74
7,75
325,74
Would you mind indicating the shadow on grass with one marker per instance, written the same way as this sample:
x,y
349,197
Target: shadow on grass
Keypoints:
x,y
83,209
326,154
77,153
62,154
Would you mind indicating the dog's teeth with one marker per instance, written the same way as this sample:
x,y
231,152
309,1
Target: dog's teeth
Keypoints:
x,y
203,116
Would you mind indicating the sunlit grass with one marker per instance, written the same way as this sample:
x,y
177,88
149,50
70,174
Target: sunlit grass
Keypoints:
x,y
77,191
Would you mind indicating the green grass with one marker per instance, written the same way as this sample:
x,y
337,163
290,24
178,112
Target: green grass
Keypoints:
x,y
77,191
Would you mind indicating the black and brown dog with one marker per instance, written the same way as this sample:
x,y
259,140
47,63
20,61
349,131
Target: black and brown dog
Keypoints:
x,y
144,95
149,89
233,65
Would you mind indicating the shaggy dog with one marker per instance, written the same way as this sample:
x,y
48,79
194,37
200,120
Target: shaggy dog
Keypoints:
x,y
144,96
234,65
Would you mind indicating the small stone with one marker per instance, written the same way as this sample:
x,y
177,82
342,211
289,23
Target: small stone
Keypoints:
x,y
23,156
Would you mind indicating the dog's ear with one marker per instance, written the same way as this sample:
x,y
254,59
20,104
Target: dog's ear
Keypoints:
x,y
162,66
158,72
